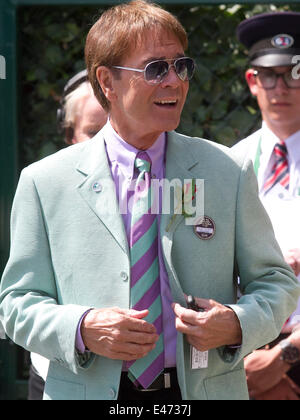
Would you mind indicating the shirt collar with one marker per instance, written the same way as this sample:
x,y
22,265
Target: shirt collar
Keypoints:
x,y
293,146
124,154
270,139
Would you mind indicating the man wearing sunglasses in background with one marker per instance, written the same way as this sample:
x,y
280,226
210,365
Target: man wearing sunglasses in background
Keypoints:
x,y
273,41
103,293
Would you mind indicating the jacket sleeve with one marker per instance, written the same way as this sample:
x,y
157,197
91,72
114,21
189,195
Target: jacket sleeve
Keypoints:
x,y
269,289
29,309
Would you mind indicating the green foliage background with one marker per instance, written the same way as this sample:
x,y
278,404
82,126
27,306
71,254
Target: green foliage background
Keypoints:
x,y
51,39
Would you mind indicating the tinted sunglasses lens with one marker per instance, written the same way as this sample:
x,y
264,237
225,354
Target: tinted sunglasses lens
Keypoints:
x,y
290,81
156,71
267,79
185,68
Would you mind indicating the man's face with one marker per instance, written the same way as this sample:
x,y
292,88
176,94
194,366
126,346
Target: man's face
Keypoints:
x,y
142,110
90,119
280,105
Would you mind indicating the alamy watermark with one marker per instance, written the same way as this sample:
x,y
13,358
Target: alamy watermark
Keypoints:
x,y
296,69
2,67
171,197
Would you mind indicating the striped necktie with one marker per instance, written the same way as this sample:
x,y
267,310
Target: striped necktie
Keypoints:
x,y
280,171
145,280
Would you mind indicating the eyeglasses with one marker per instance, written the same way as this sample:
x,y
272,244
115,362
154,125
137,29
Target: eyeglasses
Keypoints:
x,y
268,79
156,71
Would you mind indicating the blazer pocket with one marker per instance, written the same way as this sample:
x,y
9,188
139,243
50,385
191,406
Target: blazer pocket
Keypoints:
x,y
226,387
59,390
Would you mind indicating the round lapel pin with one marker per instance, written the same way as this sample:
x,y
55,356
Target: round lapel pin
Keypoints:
x,y
205,229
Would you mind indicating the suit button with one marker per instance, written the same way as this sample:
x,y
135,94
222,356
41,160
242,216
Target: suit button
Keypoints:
x,y
124,276
97,187
112,393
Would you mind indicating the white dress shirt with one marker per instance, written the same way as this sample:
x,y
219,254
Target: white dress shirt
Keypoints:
x,y
267,159
282,205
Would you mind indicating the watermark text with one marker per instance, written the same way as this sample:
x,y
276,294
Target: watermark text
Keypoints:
x,y
296,69
2,67
172,197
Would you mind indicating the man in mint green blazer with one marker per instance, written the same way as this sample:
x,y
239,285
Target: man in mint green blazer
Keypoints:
x,y
65,292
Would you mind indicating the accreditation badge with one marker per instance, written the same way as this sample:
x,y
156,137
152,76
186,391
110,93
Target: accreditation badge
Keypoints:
x,y
199,359
205,229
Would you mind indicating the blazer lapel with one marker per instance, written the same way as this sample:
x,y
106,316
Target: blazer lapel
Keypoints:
x,y
99,191
179,164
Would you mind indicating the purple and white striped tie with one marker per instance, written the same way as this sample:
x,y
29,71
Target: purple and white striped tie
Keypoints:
x,y
145,279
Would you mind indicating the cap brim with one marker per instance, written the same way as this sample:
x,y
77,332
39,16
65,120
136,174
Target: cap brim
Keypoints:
x,y
273,60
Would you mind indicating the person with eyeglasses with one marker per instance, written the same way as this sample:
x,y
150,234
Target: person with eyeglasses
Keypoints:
x,y
129,294
273,41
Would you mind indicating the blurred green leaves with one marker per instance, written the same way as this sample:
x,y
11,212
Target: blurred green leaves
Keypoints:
x,y
51,51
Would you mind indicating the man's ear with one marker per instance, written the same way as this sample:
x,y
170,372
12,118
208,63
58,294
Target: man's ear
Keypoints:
x,y
105,80
69,135
251,81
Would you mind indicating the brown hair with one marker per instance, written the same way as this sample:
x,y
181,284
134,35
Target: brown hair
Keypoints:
x,y
119,30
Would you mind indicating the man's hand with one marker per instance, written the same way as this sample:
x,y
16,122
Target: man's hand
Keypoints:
x,y
118,334
294,338
264,370
292,257
285,390
216,327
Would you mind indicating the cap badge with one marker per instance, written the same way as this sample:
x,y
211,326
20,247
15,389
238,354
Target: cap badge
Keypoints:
x,y
283,41
205,228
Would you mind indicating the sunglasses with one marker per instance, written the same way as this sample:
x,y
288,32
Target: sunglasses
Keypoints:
x,y
156,71
268,79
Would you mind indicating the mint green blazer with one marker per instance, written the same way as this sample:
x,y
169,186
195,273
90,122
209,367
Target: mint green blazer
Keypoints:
x,y
68,255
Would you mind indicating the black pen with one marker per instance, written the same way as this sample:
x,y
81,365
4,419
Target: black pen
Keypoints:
x,y
191,302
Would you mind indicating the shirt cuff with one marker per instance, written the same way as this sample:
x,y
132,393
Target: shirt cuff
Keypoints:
x,y
234,347
79,344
